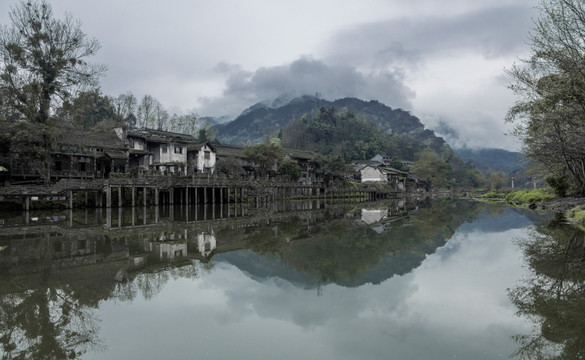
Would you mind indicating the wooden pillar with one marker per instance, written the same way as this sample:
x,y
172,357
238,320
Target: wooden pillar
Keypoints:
x,y
172,196
133,198
156,196
186,195
26,203
205,194
70,199
144,200
120,197
109,197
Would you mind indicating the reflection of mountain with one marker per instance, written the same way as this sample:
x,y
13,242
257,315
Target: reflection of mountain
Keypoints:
x,y
334,244
261,267
341,250
499,219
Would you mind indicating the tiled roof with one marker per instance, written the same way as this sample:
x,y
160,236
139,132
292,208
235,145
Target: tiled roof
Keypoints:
x,y
161,136
229,151
83,138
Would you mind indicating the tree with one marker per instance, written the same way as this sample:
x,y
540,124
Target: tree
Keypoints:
x,y
333,166
431,167
497,180
125,106
550,112
290,168
161,116
42,59
42,63
264,156
146,111
88,109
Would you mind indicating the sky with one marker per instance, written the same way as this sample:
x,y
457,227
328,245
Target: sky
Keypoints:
x,y
444,61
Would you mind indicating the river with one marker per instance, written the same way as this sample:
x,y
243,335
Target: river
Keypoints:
x,y
404,279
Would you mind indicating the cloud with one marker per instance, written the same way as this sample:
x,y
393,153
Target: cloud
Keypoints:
x,y
407,42
305,75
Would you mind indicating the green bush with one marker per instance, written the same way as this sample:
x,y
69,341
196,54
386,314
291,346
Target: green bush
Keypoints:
x,y
493,195
530,196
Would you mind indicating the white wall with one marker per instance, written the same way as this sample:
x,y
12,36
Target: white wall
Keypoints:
x,y
372,174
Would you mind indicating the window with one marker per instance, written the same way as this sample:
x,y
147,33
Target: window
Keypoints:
x,y
207,155
178,149
164,148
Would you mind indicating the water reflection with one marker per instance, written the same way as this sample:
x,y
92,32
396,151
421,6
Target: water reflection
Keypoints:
x,y
61,273
553,295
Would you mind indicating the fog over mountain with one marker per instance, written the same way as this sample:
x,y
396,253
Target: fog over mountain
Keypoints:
x,y
443,61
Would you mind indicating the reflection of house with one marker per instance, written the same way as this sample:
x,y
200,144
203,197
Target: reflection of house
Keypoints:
x,y
373,216
206,243
168,250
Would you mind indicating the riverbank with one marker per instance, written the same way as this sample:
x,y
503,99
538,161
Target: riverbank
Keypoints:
x,y
572,207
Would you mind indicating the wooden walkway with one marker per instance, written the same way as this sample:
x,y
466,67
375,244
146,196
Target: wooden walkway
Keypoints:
x,y
155,190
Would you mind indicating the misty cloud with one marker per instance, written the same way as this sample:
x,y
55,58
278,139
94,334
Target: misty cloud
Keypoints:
x,y
407,42
305,76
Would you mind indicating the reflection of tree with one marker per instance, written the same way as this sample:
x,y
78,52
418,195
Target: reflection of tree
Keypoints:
x,y
553,297
149,284
341,250
46,323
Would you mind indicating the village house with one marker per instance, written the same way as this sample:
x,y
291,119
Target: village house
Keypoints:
x,y
201,157
232,161
74,153
159,151
379,173
309,169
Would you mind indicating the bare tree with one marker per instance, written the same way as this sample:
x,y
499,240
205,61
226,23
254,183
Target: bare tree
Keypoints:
x,y
550,112
126,106
146,111
42,59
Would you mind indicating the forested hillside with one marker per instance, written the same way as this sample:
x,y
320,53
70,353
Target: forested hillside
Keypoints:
x,y
262,120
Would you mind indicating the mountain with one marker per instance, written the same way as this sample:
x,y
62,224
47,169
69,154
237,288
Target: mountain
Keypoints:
x,y
267,118
493,160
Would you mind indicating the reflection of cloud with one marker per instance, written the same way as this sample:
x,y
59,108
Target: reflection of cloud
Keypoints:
x,y
449,306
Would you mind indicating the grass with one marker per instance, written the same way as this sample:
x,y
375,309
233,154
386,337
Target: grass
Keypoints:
x,y
576,214
493,195
530,196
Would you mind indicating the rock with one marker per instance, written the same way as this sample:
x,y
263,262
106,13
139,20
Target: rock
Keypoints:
x,y
532,206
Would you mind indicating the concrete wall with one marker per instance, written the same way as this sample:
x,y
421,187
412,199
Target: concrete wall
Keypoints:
x,y
372,174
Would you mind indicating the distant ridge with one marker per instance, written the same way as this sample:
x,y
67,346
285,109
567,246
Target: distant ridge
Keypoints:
x,y
493,160
267,118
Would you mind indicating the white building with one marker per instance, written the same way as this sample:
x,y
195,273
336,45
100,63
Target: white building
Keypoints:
x,y
201,158
169,153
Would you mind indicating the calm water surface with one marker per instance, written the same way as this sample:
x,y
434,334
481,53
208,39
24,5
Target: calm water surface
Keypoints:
x,y
395,280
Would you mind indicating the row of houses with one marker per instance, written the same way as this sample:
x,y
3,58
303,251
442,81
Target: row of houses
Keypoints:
x,y
89,154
